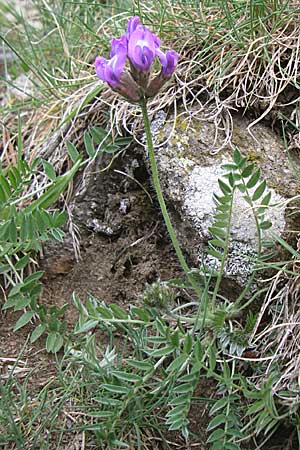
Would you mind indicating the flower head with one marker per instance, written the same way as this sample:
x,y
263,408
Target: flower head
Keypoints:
x,y
141,47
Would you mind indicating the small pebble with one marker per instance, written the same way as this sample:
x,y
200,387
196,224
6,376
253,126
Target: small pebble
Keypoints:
x,y
124,206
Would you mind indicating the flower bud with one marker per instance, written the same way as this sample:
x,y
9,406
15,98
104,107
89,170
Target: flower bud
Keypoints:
x,y
168,61
128,88
111,70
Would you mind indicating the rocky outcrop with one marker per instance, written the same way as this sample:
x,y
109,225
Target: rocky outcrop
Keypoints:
x,y
190,158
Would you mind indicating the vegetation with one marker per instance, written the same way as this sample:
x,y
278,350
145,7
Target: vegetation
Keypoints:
x,y
130,392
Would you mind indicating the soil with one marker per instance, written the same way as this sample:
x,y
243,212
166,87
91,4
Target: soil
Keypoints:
x,y
123,243
123,246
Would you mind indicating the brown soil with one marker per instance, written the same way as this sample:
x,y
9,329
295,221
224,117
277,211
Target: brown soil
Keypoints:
x,y
114,266
130,249
123,245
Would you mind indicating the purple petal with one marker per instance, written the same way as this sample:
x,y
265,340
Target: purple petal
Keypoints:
x,y
133,23
114,69
168,61
118,45
141,48
100,64
146,57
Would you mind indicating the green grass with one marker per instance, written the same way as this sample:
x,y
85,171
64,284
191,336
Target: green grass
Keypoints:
x,y
31,417
59,54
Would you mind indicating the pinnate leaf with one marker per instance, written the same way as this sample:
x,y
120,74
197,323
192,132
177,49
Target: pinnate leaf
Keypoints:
x,y
24,320
259,191
254,179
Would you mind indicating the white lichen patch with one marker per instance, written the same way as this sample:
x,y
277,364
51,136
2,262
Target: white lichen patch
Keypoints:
x,y
199,207
189,172
198,199
243,224
239,264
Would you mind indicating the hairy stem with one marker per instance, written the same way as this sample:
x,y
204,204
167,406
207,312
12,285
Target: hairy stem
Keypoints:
x,y
162,203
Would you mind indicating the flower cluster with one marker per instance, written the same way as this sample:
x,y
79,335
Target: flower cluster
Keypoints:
x,y
140,46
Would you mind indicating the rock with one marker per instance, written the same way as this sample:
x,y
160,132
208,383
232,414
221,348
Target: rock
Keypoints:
x,y
190,161
107,201
6,58
25,8
23,88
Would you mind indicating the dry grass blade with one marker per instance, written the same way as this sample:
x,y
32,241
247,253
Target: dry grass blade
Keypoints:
x,y
278,341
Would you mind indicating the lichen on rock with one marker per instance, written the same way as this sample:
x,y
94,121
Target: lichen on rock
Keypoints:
x,y
190,167
199,206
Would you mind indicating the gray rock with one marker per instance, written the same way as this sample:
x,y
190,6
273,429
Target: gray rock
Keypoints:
x,y
25,8
190,157
23,88
6,57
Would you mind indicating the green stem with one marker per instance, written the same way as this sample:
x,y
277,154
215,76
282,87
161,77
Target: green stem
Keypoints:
x,y
161,200
259,252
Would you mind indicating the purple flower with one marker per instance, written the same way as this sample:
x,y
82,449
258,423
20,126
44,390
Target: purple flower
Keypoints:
x,y
168,61
142,45
111,70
